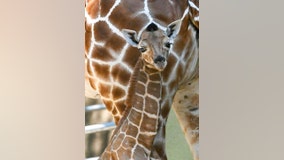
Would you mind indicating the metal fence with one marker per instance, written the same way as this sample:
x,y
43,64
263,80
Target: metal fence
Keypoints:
x,y
99,127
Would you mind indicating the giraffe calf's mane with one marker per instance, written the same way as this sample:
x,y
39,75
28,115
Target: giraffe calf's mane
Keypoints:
x,y
133,81
132,84
131,91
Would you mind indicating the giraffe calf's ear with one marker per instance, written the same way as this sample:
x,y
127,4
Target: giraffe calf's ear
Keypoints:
x,y
173,29
130,36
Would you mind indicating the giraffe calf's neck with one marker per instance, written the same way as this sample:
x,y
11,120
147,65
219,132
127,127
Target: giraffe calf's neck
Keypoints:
x,y
134,135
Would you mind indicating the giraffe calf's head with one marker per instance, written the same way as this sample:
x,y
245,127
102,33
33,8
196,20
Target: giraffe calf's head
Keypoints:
x,y
154,43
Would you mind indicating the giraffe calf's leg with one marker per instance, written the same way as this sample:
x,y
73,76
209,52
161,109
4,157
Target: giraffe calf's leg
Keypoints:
x,y
186,106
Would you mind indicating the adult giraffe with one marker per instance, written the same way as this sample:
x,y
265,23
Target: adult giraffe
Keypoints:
x,y
110,60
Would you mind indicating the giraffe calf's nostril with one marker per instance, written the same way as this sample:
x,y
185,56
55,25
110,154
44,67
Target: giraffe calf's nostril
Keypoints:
x,y
160,59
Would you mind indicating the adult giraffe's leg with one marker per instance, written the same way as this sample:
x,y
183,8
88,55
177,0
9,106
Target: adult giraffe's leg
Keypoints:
x,y
186,107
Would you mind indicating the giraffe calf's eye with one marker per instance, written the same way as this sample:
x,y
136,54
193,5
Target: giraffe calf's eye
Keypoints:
x,y
142,49
168,44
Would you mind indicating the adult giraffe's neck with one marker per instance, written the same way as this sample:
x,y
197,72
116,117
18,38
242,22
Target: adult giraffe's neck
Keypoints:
x,y
133,138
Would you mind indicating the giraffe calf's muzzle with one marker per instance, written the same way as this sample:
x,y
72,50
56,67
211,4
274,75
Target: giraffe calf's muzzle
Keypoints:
x,y
159,59
160,62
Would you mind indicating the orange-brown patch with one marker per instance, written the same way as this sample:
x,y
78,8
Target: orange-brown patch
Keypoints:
x,y
114,111
116,119
121,15
164,13
88,27
102,53
88,41
131,57
93,8
104,90
108,104
137,23
88,70
102,31
120,106
167,11
115,42
101,71
120,74
117,92
92,83
106,6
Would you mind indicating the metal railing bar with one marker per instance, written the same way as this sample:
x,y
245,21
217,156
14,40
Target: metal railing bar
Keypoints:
x,y
95,107
94,158
99,127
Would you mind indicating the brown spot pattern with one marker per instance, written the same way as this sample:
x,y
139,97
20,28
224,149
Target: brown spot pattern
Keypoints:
x,y
109,104
93,8
131,57
154,89
133,131
102,31
115,43
147,124
106,6
88,42
120,106
119,139
140,88
120,74
104,89
151,106
169,69
146,140
102,71
135,117
102,53
117,92
128,142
